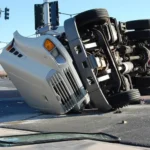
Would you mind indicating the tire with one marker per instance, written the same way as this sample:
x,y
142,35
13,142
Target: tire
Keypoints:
x,y
144,91
138,24
141,82
123,99
138,35
92,16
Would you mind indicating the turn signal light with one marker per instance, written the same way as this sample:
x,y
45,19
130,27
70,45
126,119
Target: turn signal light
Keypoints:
x,y
49,45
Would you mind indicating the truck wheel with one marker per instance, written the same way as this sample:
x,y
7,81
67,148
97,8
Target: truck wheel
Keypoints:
x,y
138,35
123,99
141,82
144,91
92,16
138,24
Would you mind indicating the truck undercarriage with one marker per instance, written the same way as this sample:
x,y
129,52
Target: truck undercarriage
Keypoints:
x,y
96,62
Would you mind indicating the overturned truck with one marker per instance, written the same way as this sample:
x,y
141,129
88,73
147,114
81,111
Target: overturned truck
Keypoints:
x,y
94,63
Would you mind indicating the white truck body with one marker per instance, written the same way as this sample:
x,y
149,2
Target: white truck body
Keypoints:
x,y
46,80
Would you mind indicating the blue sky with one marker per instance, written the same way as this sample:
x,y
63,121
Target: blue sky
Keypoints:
x,y
22,13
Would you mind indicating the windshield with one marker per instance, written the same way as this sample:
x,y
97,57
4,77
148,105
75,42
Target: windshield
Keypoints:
x,y
74,70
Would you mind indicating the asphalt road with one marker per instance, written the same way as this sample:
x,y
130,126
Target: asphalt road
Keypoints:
x,y
16,114
6,83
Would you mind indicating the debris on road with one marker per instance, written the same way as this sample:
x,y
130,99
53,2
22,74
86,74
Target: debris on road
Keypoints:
x,y
124,122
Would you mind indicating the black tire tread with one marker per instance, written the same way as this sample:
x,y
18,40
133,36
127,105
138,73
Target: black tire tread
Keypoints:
x,y
144,91
141,82
138,35
125,98
90,16
138,24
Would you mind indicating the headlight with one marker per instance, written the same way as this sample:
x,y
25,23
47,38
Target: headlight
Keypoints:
x,y
55,53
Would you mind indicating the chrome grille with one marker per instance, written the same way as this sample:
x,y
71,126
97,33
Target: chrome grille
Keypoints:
x,y
62,91
72,82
